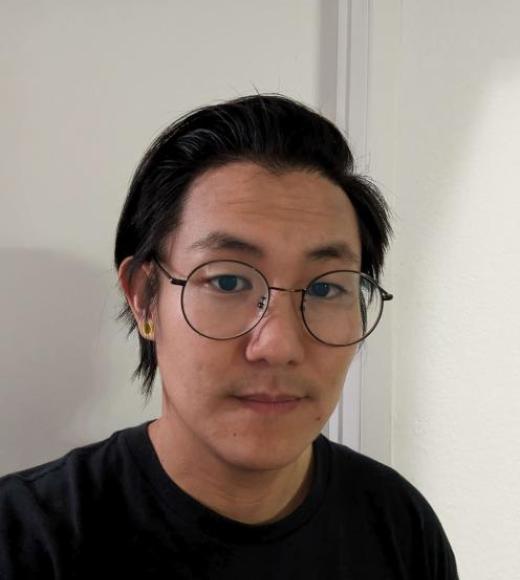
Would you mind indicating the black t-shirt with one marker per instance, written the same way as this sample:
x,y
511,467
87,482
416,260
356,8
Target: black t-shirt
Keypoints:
x,y
109,510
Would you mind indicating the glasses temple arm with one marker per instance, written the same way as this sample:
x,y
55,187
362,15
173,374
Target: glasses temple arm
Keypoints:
x,y
172,280
386,295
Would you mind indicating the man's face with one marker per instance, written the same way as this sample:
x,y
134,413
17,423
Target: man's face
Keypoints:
x,y
284,216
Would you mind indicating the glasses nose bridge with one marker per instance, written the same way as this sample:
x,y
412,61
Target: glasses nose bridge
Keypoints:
x,y
267,307
286,289
292,291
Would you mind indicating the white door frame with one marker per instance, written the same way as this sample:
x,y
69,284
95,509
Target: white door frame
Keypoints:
x,y
361,419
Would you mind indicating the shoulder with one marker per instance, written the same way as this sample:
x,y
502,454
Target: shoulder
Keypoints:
x,y
43,508
54,477
387,506
47,493
366,477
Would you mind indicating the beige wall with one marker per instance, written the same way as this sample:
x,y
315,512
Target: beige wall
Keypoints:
x,y
85,88
445,136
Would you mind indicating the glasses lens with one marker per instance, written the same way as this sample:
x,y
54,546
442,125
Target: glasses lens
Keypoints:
x,y
224,299
341,308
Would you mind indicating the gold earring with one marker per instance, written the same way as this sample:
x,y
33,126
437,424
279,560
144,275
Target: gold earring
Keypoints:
x,y
148,329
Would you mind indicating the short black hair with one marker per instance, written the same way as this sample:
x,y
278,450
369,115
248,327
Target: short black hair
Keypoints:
x,y
272,130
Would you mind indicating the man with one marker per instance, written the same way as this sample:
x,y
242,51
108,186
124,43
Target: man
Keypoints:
x,y
249,255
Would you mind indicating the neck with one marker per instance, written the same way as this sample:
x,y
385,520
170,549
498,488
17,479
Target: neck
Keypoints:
x,y
247,496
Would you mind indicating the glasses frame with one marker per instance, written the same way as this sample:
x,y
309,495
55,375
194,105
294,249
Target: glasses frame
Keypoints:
x,y
385,296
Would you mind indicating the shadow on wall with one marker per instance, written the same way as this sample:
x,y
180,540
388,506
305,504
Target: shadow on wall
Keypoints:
x,y
52,312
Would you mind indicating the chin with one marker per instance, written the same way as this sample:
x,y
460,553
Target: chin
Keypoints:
x,y
261,454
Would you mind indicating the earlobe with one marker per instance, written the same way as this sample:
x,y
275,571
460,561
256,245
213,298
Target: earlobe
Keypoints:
x,y
148,329
134,291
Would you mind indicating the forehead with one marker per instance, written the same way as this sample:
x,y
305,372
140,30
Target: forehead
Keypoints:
x,y
295,210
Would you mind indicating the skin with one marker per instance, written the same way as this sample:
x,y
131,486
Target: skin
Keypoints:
x,y
251,467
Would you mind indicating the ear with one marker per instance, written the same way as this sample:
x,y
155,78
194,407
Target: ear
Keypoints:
x,y
134,292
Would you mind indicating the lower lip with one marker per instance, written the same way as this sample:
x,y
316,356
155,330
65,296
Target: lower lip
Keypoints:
x,y
270,408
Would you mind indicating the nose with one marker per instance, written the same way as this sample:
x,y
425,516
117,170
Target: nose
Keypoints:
x,y
279,337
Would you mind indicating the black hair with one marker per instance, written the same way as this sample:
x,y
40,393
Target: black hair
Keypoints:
x,y
273,131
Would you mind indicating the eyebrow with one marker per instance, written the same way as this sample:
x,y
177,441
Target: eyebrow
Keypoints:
x,y
219,240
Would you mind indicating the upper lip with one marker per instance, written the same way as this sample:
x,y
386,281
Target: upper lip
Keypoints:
x,y
270,397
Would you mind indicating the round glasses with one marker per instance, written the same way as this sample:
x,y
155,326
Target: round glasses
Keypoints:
x,y
225,299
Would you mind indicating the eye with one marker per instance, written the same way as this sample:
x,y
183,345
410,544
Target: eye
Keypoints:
x,y
229,283
325,290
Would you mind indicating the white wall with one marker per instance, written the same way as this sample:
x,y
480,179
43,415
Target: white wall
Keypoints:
x,y
445,135
85,88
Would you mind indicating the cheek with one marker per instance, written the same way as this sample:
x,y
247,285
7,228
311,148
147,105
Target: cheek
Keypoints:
x,y
169,319
334,364
193,369
333,372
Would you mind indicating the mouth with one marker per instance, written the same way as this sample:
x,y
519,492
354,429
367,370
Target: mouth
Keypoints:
x,y
270,403
270,397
